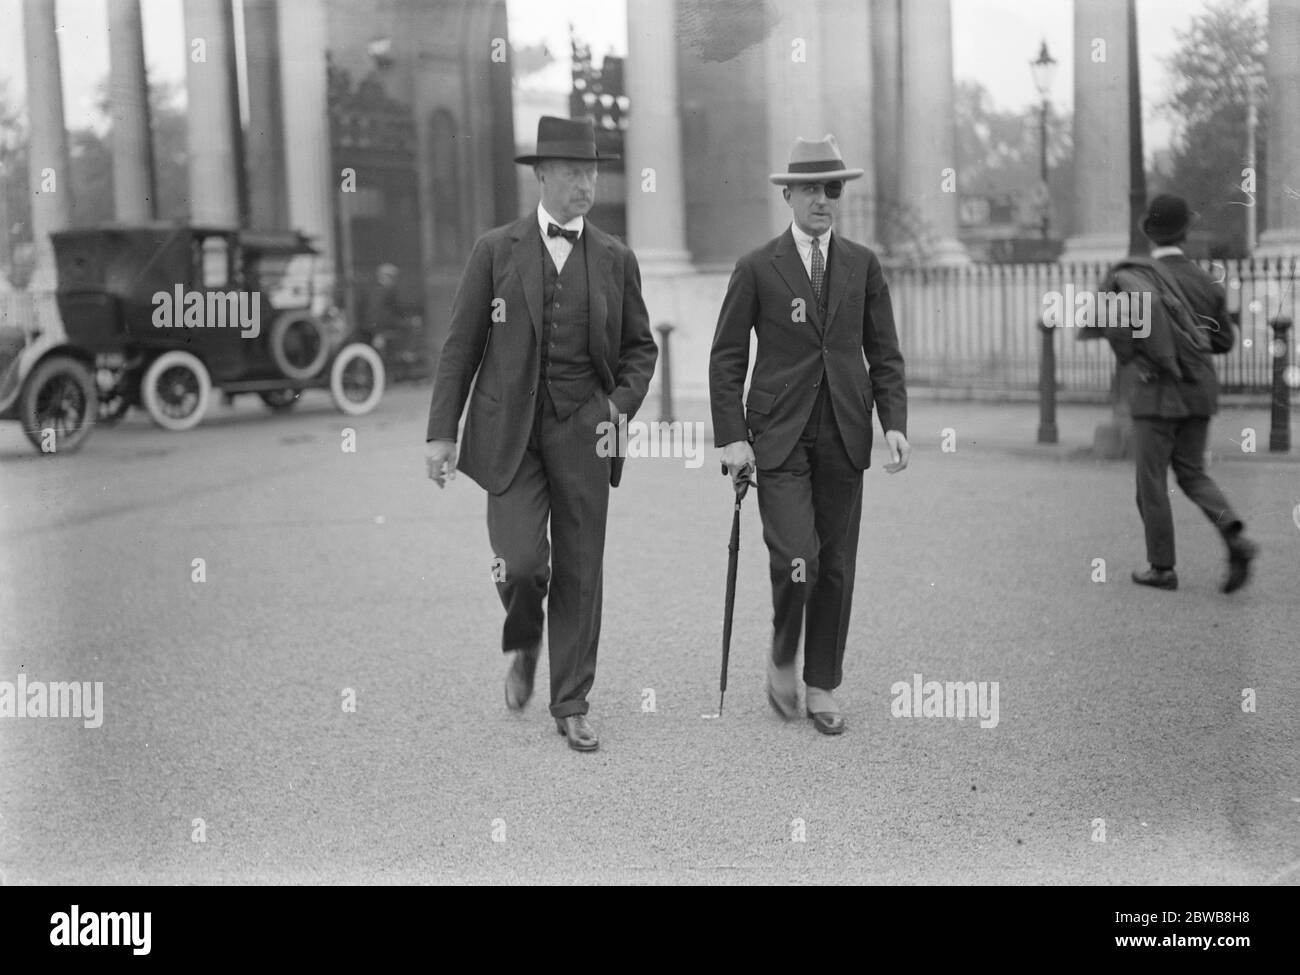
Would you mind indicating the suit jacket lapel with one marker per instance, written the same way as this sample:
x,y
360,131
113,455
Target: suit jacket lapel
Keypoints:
x,y
599,259
527,255
840,272
789,265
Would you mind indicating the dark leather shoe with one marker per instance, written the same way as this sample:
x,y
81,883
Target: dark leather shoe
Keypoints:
x,y
579,732
519,678
1157,578
827,722
1240,553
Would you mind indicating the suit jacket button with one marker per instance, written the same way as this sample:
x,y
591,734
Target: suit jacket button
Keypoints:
x,y
532,390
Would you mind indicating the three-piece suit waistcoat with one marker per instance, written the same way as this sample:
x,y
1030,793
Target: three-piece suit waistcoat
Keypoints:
x,y
566,371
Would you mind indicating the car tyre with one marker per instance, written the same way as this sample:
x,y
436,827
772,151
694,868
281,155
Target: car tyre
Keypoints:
x,y
59,395
357,379
176,390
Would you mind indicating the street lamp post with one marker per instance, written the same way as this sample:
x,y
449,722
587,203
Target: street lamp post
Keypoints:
x,y
1043,69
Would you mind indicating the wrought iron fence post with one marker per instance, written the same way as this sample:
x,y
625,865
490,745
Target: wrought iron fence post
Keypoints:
x,y
1279,434
1047,385
665,373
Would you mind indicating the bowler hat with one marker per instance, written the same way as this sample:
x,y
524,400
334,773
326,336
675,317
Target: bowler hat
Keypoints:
x,y
1167,219
565,138
815,161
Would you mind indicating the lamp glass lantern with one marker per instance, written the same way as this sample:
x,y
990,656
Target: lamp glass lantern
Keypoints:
x,y
1043,69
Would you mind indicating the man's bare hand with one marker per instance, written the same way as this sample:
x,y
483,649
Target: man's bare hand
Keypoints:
x,y
899,449
737,456
440,457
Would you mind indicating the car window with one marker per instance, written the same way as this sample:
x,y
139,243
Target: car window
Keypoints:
x,y
285,279
215,269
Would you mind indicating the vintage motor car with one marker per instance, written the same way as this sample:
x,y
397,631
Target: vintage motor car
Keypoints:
x,y
159,316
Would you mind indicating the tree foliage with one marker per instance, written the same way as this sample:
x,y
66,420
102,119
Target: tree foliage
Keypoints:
x,y
999,153
1219,59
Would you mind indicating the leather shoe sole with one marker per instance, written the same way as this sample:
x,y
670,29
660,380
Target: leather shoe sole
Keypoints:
x,y
827,722
1239,566
1157,580
519,678
578,742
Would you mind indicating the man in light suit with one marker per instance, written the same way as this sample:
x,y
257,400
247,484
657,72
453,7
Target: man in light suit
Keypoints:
x,y
827,349
549,327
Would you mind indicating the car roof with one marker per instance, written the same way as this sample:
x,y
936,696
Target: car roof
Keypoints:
x,y
264,240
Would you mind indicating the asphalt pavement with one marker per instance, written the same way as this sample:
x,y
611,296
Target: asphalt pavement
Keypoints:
x,y
1141,736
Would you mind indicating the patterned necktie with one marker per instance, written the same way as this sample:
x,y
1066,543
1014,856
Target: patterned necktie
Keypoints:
x,y
555,230
818,269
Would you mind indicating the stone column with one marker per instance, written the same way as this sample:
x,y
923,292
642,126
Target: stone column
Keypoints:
x,y
1282,236
264,145
656,218
1101,166
847,88
886,106
309,168
49,177
929,194
795,56
133,170
213,123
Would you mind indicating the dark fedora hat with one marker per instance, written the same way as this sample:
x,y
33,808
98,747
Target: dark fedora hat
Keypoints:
x,y
565,138
1167,219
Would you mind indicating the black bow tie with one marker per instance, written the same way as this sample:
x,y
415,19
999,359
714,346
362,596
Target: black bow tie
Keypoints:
x,y
555,230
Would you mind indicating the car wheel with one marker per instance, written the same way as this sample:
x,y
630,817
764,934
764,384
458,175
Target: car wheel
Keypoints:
x,y
59,405
176,390
280,400
299,346
357,379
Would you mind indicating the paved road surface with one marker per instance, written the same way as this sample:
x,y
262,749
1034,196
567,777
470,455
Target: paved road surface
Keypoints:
x,y
328,571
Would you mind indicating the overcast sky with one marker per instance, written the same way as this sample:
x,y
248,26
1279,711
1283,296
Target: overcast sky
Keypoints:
x,y
993,42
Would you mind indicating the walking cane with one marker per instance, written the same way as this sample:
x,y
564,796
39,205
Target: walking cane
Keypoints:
x,y
742,484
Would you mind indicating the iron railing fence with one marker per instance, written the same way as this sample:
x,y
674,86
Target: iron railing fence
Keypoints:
x,y
976,326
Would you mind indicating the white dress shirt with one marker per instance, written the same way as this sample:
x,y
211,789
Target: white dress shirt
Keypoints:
x,y
559,248
803,242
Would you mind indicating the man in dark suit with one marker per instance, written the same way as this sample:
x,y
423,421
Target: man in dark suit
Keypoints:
x,y
549,326
1174,394
826,349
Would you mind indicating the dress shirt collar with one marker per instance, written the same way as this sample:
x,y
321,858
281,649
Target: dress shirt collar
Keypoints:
x,y
544,220
1168,251
804,241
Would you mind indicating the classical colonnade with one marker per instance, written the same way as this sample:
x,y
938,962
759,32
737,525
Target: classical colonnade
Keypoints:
x,y
892,58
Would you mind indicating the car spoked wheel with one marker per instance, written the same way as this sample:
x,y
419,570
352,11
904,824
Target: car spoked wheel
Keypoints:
x,y
299,345
176,390
357,379
59,405
280,400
